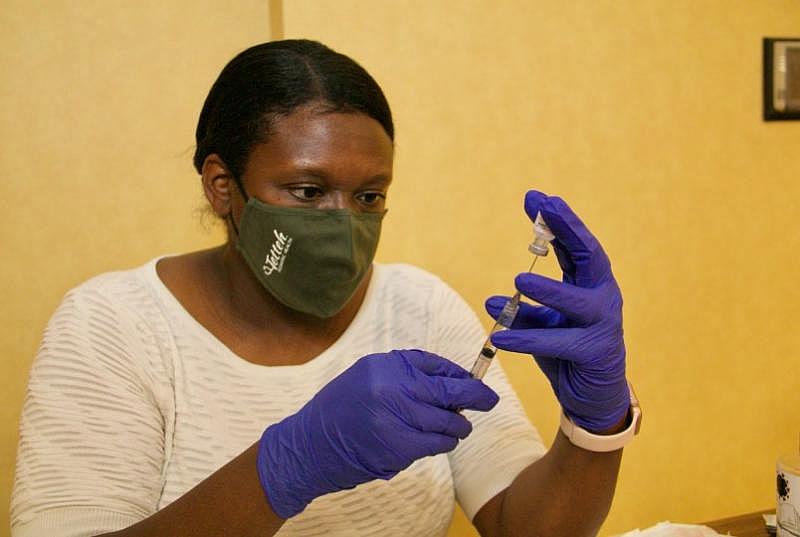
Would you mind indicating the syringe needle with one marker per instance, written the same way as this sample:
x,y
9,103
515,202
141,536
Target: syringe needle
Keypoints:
x,y
539,247
533,263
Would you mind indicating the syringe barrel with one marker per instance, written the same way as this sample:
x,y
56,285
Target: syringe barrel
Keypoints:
x,y
480,367
506,317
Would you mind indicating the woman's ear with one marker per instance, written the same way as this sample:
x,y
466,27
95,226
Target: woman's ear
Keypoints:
x,y
219,185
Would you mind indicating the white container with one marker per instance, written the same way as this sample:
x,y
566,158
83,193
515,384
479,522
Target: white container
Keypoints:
x,y
788,497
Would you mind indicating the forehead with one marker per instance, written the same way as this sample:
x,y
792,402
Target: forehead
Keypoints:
x,y
335,143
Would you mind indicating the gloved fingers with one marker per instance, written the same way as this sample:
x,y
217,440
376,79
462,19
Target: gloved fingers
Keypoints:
x,y
395,452
432,364
426,444
579,304
450,393
550,368
573,344
528,316
533,202
579,253
432,419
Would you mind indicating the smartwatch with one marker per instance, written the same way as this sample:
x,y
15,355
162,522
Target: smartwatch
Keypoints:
x,y
601,442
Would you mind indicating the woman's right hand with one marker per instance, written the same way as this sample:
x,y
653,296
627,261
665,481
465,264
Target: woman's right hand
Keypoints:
x,y
372,421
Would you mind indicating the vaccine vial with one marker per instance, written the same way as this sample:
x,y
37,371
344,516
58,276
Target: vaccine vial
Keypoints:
x,y
787,514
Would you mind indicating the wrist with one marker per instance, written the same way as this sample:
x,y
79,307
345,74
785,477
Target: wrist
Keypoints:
x,y
271,465
618,427
610,439
603,413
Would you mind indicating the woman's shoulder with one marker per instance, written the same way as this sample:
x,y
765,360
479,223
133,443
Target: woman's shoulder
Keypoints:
x,y
109,321
131,288
118,280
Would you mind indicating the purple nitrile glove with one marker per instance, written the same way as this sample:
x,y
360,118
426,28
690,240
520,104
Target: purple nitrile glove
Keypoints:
x,y
370,422
576,335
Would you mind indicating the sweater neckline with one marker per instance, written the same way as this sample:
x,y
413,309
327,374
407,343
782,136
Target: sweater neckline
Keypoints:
x,y
172,305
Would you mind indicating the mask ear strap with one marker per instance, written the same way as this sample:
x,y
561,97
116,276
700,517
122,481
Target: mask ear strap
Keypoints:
x,y
244,196
233,223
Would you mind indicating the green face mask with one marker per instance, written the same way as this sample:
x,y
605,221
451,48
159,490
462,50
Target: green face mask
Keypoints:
x,y
311,260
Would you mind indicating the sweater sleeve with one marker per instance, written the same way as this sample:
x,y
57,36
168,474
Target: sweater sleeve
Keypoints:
x,y
92,434
503,441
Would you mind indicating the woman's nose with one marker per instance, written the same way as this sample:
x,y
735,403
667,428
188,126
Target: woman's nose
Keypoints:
x,y
339,200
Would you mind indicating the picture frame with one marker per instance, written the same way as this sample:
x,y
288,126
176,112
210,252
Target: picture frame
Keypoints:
x,y
781,78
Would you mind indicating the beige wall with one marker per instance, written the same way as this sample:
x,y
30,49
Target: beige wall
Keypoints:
x,y
645,116
98,104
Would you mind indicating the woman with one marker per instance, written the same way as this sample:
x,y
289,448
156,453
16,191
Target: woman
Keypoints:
x,y
260,387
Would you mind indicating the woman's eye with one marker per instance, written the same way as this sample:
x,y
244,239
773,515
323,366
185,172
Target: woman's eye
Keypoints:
x,y
371,198
306,193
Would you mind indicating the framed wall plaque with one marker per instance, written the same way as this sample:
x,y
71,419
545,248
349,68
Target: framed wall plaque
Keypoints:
x,y
781,78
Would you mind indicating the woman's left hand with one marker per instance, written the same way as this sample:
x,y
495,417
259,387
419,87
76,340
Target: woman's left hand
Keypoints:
x,y
576,334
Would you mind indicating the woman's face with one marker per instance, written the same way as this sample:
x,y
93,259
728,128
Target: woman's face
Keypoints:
x,y
322,160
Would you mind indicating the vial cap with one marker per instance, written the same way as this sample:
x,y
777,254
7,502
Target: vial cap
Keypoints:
x,y
541,236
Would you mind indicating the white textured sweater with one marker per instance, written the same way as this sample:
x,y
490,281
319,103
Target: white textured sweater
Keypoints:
x,y
131,402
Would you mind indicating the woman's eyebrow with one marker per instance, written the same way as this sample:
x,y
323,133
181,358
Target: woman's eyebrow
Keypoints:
x,y
311,172
381,179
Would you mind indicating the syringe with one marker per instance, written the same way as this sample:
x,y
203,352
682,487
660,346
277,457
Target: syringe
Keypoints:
x,y
539,247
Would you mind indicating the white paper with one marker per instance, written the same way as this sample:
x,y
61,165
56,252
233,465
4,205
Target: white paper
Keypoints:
x,y
668,529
